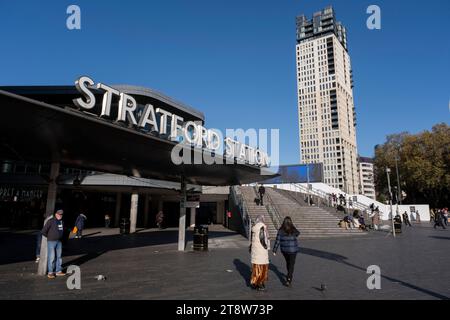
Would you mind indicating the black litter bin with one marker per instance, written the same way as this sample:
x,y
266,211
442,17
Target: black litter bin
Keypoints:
x,y
201,238
125,226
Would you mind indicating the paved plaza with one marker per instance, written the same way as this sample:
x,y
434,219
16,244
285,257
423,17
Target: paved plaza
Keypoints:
x,y
147,265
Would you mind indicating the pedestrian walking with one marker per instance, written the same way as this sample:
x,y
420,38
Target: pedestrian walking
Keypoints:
x,y
376,219
107,220
432,216
79,225
287,241
341,199
259,250
159,219
54,231
406,219
417,217
445,216
261,191
439,219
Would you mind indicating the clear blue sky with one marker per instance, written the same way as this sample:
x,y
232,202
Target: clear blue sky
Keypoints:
x,y
235,59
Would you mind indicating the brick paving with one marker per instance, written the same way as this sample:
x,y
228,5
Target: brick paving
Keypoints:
x,y
147,265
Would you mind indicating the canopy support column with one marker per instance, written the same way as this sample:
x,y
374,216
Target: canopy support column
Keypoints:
x,y
49,210
182,222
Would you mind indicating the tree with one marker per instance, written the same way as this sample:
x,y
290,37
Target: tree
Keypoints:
x,y
424,165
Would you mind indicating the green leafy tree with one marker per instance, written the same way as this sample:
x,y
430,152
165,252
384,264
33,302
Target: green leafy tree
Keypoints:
x,y
423,162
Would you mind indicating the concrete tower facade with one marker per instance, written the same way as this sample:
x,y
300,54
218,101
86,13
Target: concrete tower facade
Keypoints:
x,y
326,113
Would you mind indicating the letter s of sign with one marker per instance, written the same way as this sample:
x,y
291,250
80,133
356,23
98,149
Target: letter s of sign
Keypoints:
x,y
74,20
374,20
81,85
374,281
74,280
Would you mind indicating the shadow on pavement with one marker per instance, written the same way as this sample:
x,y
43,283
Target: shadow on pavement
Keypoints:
x,y
440,238
244,270
281,276
91,234
19,247
341,259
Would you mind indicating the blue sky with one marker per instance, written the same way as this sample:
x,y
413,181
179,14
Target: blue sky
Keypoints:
x,y
235,59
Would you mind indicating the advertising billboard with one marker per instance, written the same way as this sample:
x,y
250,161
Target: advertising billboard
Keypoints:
x,y
298,173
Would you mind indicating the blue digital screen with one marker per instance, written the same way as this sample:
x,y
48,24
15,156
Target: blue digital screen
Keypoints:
x,y
298,173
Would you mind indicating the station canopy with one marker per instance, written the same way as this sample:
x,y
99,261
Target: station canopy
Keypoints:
x,y
41,124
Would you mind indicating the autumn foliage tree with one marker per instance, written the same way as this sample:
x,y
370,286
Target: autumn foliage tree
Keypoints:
x,y
423,163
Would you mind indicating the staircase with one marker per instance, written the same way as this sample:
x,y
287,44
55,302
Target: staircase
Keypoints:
x,y
312,221
254,210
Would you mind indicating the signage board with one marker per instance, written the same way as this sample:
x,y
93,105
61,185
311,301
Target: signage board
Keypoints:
x,y
192,204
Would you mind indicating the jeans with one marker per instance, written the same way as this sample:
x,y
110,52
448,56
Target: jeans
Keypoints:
x,y
38,244
79,233
52,247
290,262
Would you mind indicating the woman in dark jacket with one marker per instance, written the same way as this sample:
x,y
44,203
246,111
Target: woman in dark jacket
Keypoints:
x,y
288,243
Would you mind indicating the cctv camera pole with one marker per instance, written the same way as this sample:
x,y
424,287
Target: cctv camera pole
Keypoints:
x,y
390,200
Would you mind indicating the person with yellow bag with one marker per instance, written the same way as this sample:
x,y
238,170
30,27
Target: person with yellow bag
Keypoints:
x,y
79,226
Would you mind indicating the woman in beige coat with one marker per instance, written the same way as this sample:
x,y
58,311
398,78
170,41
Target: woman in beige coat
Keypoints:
x,y
376,219
259,250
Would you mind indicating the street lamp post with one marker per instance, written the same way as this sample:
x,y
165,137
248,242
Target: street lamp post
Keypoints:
x,y
307,179
399,191
390,200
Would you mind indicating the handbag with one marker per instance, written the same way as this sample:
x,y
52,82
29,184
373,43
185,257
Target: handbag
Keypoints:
x,y
74,230
262,238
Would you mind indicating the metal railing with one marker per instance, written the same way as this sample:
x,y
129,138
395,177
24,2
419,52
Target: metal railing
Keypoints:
x,y
238,201
274,214
323,198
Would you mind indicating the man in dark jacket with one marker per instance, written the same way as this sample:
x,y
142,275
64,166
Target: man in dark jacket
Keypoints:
x,y
261,192
54,231
439,219
406,219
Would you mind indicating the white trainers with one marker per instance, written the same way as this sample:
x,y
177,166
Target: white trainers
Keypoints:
x,y
37,260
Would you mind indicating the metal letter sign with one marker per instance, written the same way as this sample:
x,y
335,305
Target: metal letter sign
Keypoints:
x,y
190,133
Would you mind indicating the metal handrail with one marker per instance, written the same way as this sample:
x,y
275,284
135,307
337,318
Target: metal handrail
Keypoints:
x,y
273,212
325,196
314,192
239,202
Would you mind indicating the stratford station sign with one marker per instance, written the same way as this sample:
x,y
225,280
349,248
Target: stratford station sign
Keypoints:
x,y
162,122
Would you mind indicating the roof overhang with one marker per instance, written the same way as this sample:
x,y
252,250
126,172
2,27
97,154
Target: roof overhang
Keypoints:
x,y
32,130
